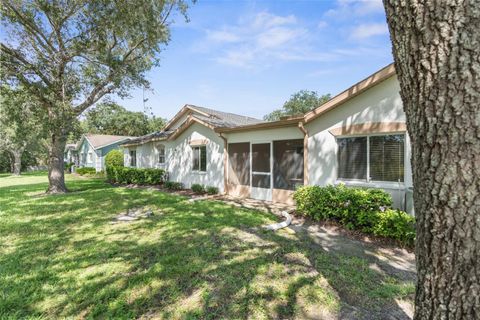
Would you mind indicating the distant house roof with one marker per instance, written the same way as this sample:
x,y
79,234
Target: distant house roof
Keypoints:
x,y
224,119
102,140
213,118
158,135
70,146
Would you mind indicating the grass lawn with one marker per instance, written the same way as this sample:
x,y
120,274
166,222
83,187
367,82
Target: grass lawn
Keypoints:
x,y
61,256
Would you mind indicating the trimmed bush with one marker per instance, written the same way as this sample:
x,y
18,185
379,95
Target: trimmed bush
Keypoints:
x,y
212,190
395,224
123,175
356,208
198,188
114,159
172,185
85,170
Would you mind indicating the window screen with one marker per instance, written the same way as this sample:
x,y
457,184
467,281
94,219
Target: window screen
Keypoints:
x,y
387,157
239,163
261,157
352,158
287,164
199,158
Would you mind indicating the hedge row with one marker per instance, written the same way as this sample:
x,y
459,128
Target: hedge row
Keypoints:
x,y
85,170
367,210
123,175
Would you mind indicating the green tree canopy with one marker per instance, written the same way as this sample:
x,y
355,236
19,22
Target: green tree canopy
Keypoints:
x,y
111,118
20,129
70,54
299,103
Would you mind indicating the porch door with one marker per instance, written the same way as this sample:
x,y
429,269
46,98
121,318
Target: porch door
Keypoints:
x,y
261,180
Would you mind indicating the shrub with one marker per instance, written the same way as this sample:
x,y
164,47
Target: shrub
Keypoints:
x,y
395,224
198,188
68,167
114,159
212,190
356,208
172,185
85,170
123,175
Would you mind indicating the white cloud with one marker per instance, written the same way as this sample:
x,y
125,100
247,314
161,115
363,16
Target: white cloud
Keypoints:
x,y
364,31
255,39
322,24
345,9
222,36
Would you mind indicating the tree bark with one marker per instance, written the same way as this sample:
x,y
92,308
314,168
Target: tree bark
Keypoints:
x,y
436,47
56,173
17,161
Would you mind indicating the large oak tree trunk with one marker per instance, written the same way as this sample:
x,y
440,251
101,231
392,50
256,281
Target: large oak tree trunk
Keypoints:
x,y
56,173
17,161
436,46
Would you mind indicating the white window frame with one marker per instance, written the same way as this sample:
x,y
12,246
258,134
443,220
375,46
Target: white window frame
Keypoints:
x,y
199,147
90,157
160,154
130,158
368,181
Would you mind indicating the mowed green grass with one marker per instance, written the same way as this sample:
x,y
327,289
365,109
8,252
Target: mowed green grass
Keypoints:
x,y
61,256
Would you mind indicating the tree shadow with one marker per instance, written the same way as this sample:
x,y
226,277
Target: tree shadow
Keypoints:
x,y
192,260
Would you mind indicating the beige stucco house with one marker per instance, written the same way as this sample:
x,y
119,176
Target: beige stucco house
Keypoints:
x,y
358,138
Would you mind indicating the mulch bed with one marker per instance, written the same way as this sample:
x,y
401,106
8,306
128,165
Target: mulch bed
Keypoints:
x,y
353,234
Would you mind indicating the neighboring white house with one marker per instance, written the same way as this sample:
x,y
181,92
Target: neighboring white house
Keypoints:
x,y
358,138
92,149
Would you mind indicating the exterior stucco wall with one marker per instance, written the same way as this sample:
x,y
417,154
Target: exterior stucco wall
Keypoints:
x,y
381,103
265,135
180,161
178,157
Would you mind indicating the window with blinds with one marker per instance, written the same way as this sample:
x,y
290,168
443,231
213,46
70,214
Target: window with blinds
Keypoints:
x,y
387,157
352,158
385,160
199,158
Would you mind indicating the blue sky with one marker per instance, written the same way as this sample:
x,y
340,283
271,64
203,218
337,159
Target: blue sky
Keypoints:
x,y
249,57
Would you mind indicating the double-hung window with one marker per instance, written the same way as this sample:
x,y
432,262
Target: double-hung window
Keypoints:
x,y
161,154
199,158
372,158
133,158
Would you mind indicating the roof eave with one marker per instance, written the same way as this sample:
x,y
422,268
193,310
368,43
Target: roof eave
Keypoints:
x,y
290,122
361,86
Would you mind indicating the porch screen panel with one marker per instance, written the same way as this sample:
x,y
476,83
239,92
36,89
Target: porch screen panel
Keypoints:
x,y
287,164
352,158
239,163
387,154
261,165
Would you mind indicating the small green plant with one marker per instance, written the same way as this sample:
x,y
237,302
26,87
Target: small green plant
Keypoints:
x,y
212,190
85,171
198,188
172,185
114,159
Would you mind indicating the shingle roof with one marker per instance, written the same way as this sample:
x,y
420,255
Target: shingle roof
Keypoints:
x,y
215,118
224,119
100,140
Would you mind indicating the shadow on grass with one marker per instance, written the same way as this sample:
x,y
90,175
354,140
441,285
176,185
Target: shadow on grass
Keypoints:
x,y
62,256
